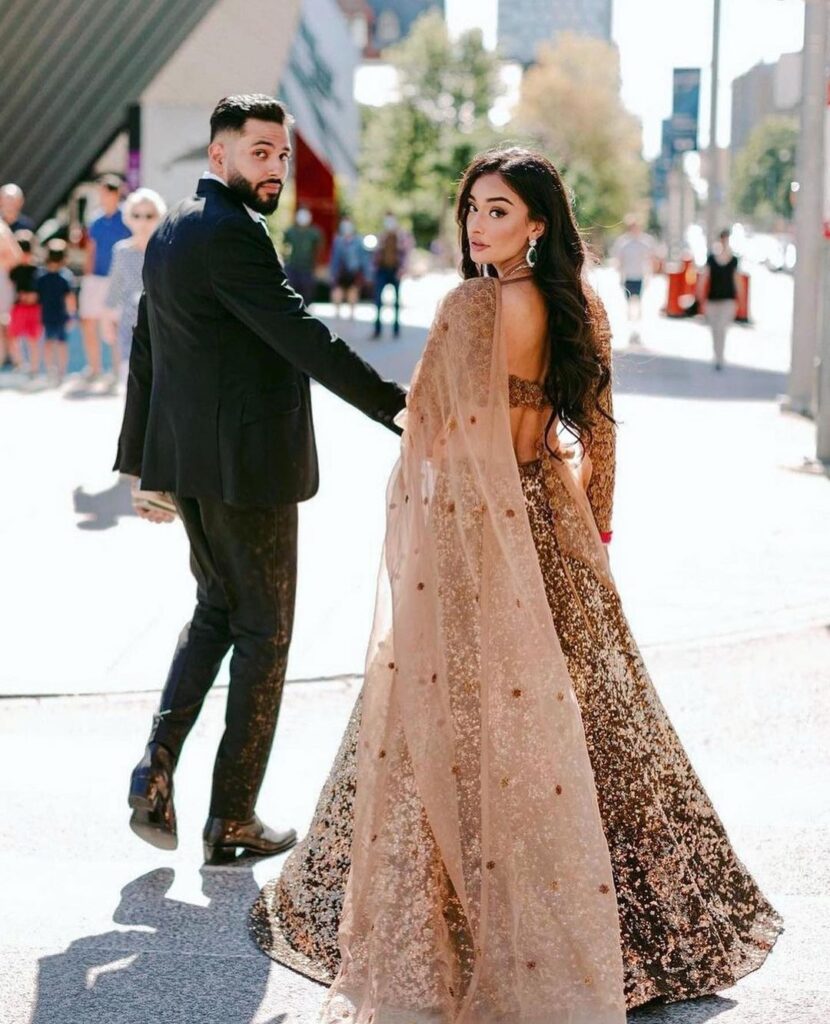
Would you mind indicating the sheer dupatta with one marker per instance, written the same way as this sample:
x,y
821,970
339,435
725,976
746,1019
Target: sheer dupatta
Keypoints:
x,y
480,888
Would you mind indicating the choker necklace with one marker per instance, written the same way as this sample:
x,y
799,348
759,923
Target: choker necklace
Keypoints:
x,y
519,267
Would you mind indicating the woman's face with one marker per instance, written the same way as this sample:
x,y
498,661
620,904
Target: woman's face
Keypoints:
x,y
144,220
498,223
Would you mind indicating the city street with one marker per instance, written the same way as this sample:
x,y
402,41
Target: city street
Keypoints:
x,y
721,553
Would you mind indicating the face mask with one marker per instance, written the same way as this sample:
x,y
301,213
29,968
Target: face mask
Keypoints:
x,y
390,222
347,227
303,218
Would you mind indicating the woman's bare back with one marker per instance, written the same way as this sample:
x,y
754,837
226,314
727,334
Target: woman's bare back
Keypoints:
x,y
524,329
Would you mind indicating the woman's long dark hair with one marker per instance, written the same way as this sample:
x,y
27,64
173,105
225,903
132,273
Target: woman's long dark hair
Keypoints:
x,y
576,377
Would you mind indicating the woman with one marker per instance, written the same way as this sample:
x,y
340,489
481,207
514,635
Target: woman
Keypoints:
x,y
143,209
511,830
347,269
720,283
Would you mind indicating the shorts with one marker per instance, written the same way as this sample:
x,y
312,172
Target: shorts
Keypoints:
x,y
349,279
25,321
55,331
92,301
633,287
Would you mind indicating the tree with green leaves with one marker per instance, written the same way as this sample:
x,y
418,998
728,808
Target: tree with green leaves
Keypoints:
x,y
571,109
764,170
414,150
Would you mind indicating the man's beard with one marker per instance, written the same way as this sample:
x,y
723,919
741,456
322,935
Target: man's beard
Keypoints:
x,y
248,194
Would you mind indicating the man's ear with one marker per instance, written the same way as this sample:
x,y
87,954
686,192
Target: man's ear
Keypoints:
x,y
216,154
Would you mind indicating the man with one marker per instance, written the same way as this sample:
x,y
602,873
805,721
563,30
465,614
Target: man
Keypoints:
x,y
105,230
304,240
10,256
12,218
634,253
218,413
12,202
390,260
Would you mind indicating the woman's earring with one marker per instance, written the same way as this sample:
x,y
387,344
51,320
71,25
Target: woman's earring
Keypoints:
x,y
531,256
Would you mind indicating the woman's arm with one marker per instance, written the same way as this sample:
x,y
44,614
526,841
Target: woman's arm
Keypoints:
x,y
116,294
602,446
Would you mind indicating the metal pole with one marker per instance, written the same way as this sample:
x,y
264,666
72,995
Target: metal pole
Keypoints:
x,y
823,390
713,198
808,213
823,414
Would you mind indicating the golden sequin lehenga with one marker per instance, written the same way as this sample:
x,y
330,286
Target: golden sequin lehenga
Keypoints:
x,y
512,831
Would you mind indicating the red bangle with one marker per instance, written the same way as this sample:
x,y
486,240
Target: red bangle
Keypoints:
x,y
605,536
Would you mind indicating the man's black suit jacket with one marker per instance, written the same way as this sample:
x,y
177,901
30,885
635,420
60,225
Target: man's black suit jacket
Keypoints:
x,y
218,401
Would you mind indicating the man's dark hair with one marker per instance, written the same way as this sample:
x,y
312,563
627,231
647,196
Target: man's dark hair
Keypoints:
x,y
56,251
110,181
232,112
25,239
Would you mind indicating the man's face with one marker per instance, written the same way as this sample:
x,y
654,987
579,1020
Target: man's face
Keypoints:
x,y
11,203
254,162
109,199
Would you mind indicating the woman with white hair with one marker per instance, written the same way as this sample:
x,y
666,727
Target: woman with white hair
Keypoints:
x,y
143,209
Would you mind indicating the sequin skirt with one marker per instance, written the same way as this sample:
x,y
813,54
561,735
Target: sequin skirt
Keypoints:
x,y
692,919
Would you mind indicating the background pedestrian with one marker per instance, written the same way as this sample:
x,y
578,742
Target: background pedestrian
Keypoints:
x,y
12,201
56,288
26,326
348,266
720,286
105,230
390,262
9,257
634,252
143,209
304,240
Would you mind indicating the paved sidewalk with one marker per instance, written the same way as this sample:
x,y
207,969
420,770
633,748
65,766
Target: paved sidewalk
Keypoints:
x,y
711,481
98,928
721,553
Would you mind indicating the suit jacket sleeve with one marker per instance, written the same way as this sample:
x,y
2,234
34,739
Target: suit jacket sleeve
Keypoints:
x,y
139,384
602,446
249,281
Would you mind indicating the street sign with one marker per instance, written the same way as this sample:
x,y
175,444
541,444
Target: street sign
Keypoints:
x,y
685,109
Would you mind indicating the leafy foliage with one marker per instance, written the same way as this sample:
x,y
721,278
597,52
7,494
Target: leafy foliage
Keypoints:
x,y
571,109
764,170
415,149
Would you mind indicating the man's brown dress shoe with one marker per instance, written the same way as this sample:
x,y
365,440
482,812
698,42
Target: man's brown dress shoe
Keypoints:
x,y
223,837
151,798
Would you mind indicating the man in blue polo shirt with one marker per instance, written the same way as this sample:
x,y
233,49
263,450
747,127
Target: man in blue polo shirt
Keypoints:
x,y
104,231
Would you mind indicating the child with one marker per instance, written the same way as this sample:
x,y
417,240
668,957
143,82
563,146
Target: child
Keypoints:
x,y
25,324
55,286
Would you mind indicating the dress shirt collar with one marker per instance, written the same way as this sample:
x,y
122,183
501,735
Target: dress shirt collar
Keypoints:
x,y
210,176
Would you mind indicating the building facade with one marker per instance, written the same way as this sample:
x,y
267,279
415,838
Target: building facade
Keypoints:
x,y
764,90
135,85
524,24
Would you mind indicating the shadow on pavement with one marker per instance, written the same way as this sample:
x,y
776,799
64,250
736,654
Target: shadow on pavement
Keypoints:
x,y
80,390
648,373
176,961
693,1011
103,510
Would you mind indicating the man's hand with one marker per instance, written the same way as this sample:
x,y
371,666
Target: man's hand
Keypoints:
x,y
144,503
